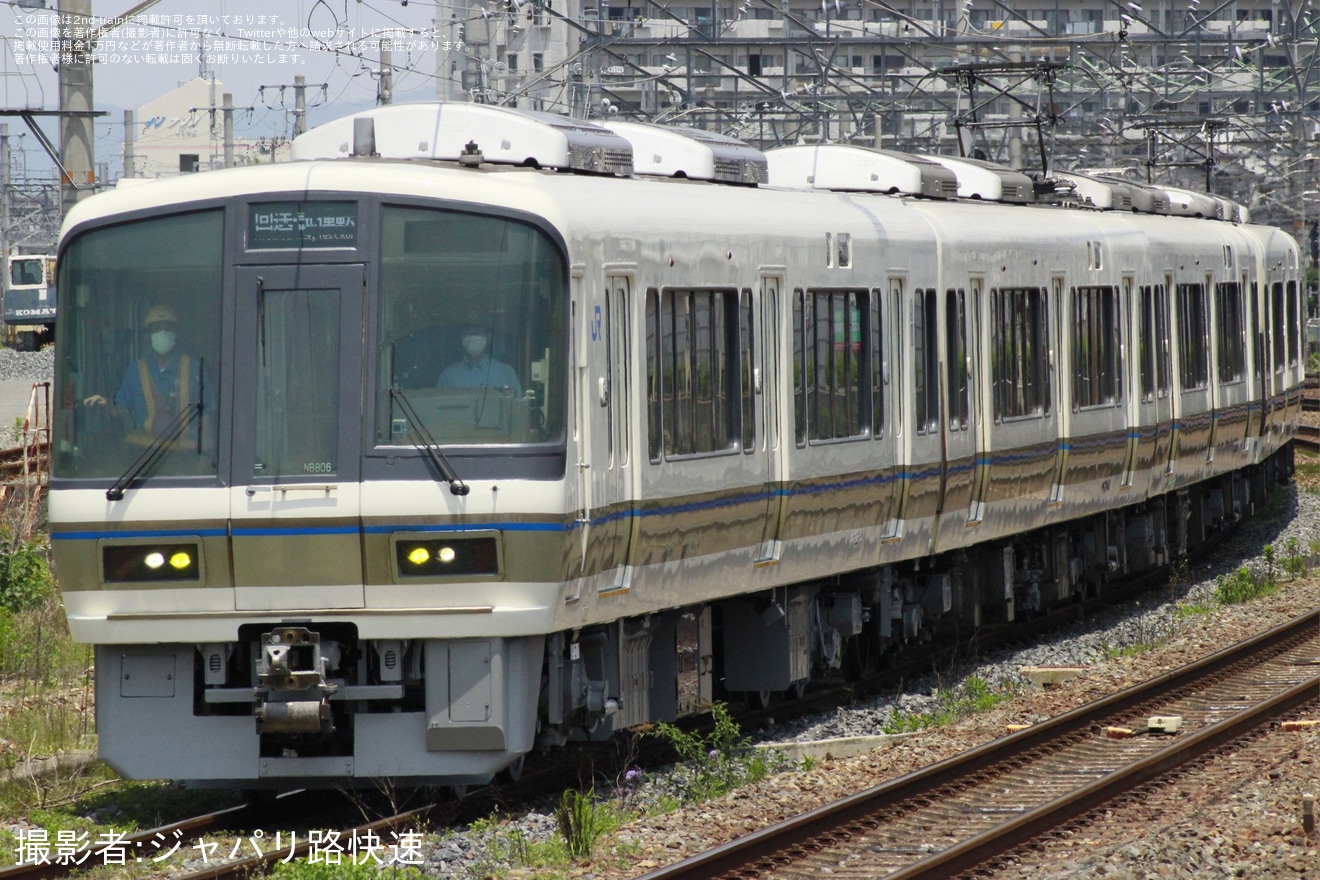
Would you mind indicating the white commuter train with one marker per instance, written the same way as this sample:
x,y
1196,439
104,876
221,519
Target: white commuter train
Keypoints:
x,y
708,436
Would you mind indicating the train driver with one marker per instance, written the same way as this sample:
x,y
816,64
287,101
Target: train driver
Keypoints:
x,y
157,387
477,369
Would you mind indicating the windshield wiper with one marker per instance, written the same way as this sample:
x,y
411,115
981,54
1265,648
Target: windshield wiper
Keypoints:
x,y
429,446
167,435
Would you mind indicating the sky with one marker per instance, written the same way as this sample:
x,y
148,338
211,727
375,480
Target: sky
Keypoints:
x,y
255,47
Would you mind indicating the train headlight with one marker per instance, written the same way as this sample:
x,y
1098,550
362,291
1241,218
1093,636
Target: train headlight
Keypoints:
x,y
126,562
467,556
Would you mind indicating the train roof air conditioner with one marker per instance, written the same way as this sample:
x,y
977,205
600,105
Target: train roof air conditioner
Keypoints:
x,y
677,151
987,181
438,130
1189,203
852,168
1103,195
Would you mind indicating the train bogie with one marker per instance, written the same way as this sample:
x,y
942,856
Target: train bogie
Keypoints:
x,y
472,464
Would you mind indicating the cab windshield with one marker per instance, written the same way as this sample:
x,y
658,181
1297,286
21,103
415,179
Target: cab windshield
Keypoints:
x,y
471,331
138,355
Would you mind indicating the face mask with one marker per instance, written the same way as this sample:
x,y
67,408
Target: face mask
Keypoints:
x,y
162,341
474,345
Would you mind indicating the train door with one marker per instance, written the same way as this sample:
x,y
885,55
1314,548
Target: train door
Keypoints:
x,y
612,486
1261,365
766,384
1276,354
896,347
1172,407
978,412
295,519
1144,404
1214,389
1058,368
959,432
1127,372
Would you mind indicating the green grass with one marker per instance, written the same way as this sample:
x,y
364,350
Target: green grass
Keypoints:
x,y
346,870
586,839
45,686
1184,610
973,696
1243,585
711,765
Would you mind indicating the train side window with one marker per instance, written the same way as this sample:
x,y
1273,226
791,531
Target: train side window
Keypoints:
x,y
844,242
1255,332
1019,352
877,361
1163,379
897,350
1294,325
925,361
1146,344
955,318
746,370
654,447
835,364
1279,335
698,367
1096,338
799,367
1192,349
1232,352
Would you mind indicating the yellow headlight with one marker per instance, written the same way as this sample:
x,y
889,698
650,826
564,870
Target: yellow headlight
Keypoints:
x,y
154,560
180,560
419,556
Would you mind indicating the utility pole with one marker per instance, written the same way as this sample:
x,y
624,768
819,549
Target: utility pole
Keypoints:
x,y
227,110
299,105
6,189
76,131
130,136
385,91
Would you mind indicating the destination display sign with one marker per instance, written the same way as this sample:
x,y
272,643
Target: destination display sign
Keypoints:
x,y
302,225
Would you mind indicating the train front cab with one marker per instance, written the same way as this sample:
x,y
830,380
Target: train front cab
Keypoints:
x,y
313,553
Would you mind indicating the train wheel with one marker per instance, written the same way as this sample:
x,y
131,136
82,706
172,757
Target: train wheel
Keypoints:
x,y
759,699
798,689
26,341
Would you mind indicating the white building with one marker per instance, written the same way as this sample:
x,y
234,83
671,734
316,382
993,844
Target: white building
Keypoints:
x,y
183,131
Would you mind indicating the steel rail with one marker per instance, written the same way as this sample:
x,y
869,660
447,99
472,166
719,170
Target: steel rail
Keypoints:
x,y
985,846
258,865
129,843
772,843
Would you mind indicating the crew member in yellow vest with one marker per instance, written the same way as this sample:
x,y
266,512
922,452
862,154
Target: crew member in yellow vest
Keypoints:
x,y
156,388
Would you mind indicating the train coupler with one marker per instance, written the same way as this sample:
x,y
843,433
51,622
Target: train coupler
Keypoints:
x,y
294,691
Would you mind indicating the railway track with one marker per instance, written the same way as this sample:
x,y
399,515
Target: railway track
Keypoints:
x,y
141,846
389,841
395,839
20,462
965,811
